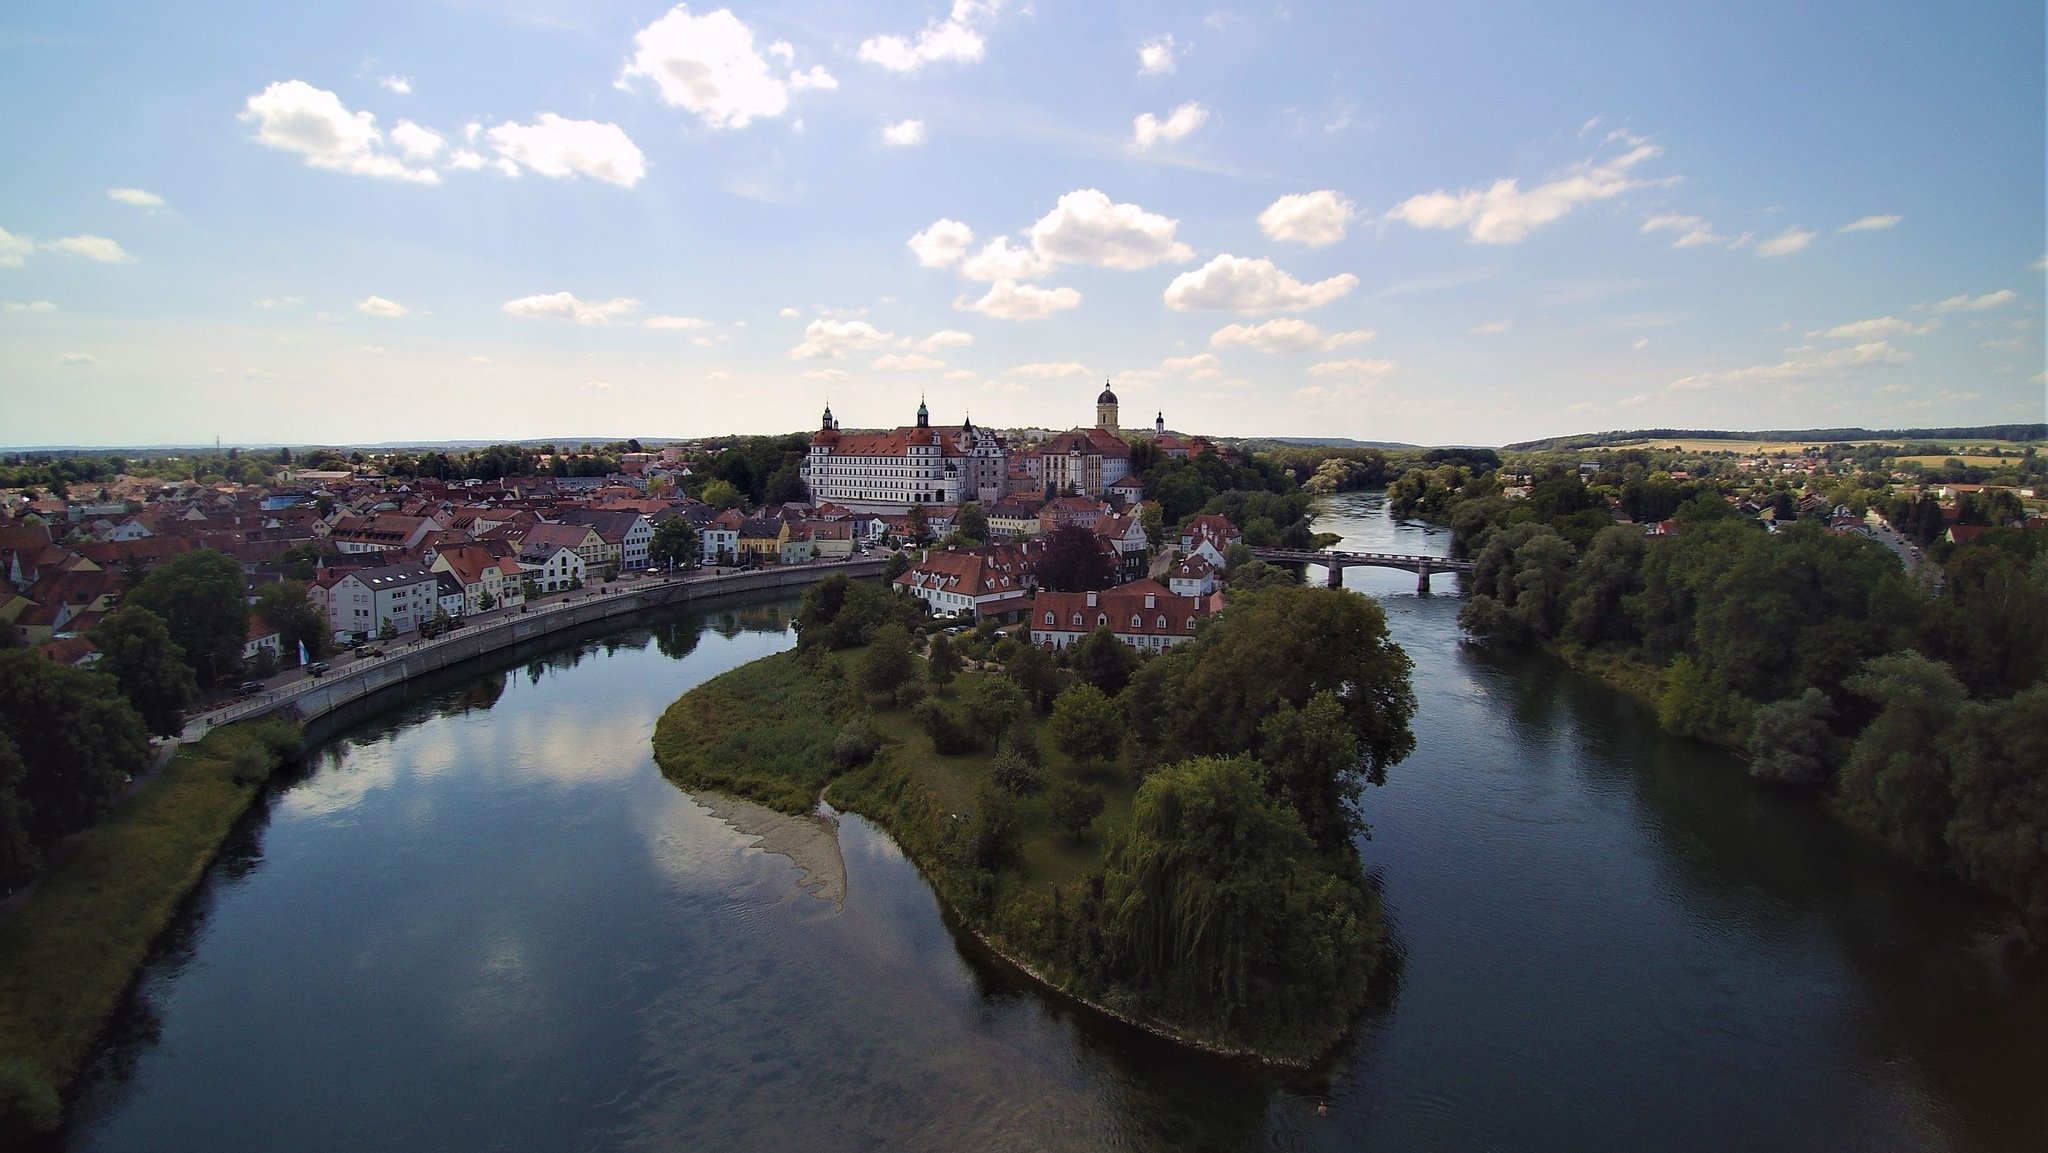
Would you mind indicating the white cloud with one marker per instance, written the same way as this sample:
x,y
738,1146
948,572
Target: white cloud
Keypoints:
x,y
1641,344
417,143
1375,367
595,386
78,358
1252,287
1051,368
1870,224
828,339
1156,56
954,39
676,323
904,134
135,197
1284,335
1504,214
825,374
1147,129
997,260
1785,243
1693,231
805,79
258,374
279,302
1968,303
28,306
378,306
1086,228
1799,362
1009,386
708,65
943,243
294,116
1880,327
789,314
1008,300
906,362
1311,218
399,84
553,146
565,306
1201,362
92,248
14,249
962,374
945,338
466,160
1491,327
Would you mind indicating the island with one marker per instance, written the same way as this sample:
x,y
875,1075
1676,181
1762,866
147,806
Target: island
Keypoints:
x,y
1167,836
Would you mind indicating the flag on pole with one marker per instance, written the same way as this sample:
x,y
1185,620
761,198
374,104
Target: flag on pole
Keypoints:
x,y
303,658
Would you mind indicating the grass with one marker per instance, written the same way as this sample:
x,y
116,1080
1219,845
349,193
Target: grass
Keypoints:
x,y
1781,447
763,731
1972,459
69,954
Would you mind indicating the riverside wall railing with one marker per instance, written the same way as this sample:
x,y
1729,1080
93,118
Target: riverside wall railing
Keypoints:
x,y
314,697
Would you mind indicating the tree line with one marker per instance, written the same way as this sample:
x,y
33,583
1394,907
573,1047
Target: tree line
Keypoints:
x,y
1918,708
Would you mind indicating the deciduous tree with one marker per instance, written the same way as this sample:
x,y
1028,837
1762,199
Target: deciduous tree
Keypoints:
x,y
138,652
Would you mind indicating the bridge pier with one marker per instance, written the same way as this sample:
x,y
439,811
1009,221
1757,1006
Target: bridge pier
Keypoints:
x,y
1422,580
1336,577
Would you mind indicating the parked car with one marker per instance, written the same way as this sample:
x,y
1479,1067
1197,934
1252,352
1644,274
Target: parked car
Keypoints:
x,y
316,668
247,688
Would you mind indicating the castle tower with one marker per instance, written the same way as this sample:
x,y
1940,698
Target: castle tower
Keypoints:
x,y
1105,409
924,415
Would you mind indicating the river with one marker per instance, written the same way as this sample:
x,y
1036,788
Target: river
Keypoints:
x,y
483,920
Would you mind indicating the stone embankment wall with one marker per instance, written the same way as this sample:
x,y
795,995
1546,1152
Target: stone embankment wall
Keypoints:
x,y
313,698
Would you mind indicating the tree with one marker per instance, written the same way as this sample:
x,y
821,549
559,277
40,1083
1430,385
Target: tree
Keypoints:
x,y
1103,661
138,652
1074,806
1152,522
1074,561
942,663
1015,775
18,856
1896,780
674,544
78,738
943,726
887,663
485,602
1031,669
296,618
920,524
1086,725
1789,741
971,522
198,595
387,631
722,495
1999,834
1311,761
996,707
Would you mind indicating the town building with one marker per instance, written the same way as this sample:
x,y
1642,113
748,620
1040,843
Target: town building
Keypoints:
x,y
912,465
1143,614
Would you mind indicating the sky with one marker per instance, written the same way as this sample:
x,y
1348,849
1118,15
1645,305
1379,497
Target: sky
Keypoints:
x,y
1434,223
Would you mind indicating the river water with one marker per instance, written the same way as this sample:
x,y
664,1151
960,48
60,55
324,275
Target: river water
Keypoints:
x,y
483,920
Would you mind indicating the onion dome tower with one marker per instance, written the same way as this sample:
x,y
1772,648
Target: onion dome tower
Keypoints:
x,y
1105,409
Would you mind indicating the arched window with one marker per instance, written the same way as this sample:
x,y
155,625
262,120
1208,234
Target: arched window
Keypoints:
x,y
1101,620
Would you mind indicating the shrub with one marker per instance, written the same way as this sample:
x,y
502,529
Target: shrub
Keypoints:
x,y
947,733
1015,775
909,694
856,744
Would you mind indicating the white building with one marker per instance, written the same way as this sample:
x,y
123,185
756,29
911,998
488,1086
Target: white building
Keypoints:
x,y
912,465
362,601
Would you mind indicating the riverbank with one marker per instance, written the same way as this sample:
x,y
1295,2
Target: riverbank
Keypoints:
x,y
68,956
781,728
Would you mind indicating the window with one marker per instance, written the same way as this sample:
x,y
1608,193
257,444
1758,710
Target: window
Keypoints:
x,y
1135,622
1077,620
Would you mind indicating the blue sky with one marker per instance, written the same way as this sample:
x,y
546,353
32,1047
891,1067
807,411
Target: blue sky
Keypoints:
x,y
1435,223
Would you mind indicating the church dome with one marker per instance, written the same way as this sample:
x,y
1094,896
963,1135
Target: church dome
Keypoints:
x,y
1107,397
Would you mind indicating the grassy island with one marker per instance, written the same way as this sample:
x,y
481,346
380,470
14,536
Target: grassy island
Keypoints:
x,y
1167,837
68,956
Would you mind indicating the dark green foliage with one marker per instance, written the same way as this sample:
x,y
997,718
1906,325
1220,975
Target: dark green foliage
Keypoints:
x,y
199,597
1992,623
295,617
1896,779
674,544
986,838
1073,806
18,855
1216,904
1074,561
942,725
1015,774
971,522
996,706
1032,670
909,694
138,652
941,662
856,745
888,661
1103,661
1021,738
841,613
1086,725
1789,741
1998,837
1311,761
78,739
1521,583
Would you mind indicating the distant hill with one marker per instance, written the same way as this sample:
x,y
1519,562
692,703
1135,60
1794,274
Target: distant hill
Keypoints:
x,y
2019,432
1263,443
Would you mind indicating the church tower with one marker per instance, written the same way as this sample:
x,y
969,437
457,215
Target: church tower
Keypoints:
x,y
1159,424
1105,409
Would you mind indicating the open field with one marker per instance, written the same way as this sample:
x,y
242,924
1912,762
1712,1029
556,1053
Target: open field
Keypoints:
x,y
1779,447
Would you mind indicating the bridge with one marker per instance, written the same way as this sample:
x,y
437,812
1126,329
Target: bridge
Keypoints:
x,y
1337,562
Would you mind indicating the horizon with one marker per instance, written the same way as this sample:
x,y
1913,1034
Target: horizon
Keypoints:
x,y
396,224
